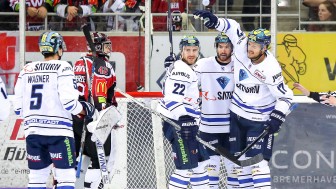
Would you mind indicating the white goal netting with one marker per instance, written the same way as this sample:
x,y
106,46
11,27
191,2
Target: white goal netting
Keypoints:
x,y
143,155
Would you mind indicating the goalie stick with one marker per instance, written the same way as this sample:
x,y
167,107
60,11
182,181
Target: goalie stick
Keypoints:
x,y
262,135
220,150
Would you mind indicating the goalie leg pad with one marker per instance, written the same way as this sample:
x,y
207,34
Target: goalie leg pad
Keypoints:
x,y
179,179
200,178
261,175
38,178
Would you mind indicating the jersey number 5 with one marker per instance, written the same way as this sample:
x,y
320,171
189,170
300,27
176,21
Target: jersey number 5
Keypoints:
x,y
179,89
36,103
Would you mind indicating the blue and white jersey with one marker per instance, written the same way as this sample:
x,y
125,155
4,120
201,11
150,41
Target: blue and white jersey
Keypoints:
x,y
259,88
45,97
181,93
4,101
216,82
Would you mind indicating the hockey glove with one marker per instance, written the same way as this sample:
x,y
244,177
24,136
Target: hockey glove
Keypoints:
x,y
274,122
91,112
189,127
210,20
169,61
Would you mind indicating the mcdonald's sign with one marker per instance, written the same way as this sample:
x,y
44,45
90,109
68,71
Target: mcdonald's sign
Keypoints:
x,y
101,87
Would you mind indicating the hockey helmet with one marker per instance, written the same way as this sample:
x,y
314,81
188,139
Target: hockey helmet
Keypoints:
x,y
99,41
260,36
188,40
50,42
222,38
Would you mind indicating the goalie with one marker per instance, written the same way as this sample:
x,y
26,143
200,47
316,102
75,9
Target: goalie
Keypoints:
x,y
103,81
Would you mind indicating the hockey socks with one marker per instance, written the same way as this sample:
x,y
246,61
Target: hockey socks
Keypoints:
x,y
200,178
261,175
179,179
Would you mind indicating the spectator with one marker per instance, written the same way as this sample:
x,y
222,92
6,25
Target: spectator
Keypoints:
x,y
253,7
76,13
36,13
313,8
7,22
125,23
161,6
326,12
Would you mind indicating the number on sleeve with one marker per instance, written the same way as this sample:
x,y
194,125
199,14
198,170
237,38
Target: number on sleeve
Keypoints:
x,y
179,89
36,103
281,88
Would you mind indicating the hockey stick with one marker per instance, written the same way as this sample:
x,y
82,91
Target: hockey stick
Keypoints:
x,y
170,28
220,150
262,135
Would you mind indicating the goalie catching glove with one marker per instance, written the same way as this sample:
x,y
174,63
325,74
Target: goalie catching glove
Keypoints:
x,y
189,127
273,124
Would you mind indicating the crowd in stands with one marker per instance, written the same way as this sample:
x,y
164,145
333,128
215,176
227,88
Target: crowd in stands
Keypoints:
x,y
72,14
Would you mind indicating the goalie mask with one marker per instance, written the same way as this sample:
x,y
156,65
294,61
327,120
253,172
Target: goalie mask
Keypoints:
x,y
102,44
50,42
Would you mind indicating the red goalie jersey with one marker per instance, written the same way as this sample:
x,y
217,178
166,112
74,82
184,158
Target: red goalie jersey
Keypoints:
x,y
103,81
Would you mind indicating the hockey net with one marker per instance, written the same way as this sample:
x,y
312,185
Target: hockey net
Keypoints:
x,y
143,155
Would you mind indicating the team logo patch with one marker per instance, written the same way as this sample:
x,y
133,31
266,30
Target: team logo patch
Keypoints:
x,y
242,75
223,81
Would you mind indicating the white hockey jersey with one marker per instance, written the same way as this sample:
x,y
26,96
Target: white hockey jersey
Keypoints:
x,y
4,101
45,96
217,83
259,88
181,93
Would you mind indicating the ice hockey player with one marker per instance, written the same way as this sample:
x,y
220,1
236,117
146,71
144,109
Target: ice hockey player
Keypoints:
x,y
215,77
327,98
45,97
260,100
181,104
4,101
103,81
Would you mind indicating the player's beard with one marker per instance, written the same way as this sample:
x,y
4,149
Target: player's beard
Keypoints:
x,y
253,56
223,57
190,60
